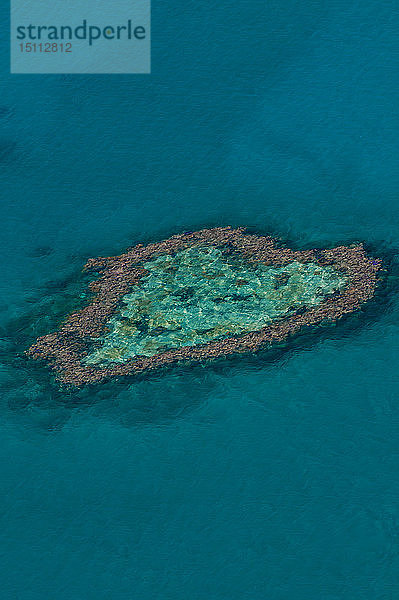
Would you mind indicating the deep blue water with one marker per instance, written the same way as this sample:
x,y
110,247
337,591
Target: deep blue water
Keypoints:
x,y
253,478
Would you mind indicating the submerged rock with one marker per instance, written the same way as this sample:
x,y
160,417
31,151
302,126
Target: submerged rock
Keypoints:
x,y
201,295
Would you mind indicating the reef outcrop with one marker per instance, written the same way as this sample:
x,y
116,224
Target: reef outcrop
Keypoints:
x,y
201,295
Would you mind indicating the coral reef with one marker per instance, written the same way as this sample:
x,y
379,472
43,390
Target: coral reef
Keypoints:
x,y
200,295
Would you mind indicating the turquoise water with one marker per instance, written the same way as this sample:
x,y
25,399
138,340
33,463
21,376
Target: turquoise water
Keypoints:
x,y
274,476
200,295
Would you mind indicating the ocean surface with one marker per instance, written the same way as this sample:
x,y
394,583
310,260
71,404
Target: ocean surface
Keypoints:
x,y
267,477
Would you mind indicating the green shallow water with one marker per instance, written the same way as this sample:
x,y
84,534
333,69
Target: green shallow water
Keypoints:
x,y
204,294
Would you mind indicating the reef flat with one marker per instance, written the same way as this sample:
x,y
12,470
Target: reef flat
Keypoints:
x,y
201,295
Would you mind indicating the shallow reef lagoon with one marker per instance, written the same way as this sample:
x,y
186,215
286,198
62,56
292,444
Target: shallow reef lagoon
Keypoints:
x,y
200,295
270,476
